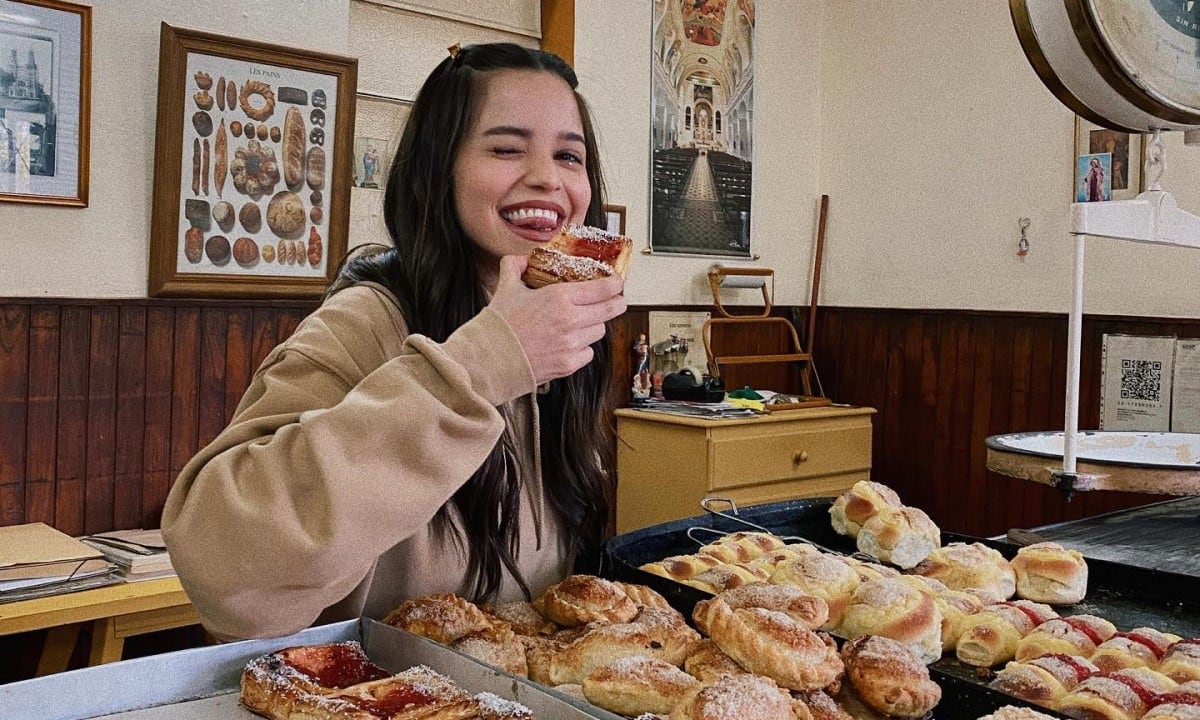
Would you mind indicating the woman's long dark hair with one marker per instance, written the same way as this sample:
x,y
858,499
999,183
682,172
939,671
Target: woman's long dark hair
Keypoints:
x,y
432,270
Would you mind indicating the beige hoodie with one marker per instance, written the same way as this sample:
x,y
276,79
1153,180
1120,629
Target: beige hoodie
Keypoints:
x,y
314,504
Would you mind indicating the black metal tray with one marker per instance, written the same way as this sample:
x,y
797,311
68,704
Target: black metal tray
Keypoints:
x,y
1127,596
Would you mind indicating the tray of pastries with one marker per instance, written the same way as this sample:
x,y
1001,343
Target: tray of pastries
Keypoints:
x,y
1038,623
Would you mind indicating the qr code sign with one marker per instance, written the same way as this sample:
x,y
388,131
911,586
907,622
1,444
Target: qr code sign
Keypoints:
x,y
1141,379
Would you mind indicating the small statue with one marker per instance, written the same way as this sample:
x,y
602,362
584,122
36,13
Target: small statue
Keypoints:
x,y
641,367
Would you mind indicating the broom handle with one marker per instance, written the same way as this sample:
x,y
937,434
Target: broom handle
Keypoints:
x,y
811,330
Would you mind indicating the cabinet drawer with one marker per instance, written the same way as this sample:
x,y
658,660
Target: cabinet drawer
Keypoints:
x,y
765,458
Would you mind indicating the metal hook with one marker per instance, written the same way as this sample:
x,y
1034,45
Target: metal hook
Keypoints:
x,y
1023,243
706,505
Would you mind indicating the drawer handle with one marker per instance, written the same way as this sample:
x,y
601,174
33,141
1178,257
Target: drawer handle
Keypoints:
x,y
800,456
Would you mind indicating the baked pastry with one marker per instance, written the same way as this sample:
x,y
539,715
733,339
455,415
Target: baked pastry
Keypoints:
x,y
1181,662
521,617
501,649
1049,573
1140,647
558,663
638,684
442,617
1013,712
1075,635
956,607
741,547
901,536
250,89
771,559
770,643
825,576
735,697
1175,706
808,610
293,148
581,599
724,577
254,169
1115,695
991,635
643,596
1044,680
578,252
669,632
889,676
858,504
707,662
489,706
896,610
974,566
681,567
817,705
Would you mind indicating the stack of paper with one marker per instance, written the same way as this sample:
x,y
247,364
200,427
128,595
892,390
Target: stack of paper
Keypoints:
x,y
140,554
37,560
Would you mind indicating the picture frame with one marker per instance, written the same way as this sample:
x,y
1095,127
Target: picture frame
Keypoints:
x,y
252,167
45,102
1122,168
614,219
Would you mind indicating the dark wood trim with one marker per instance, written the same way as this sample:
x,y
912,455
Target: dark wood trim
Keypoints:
x,y
558,28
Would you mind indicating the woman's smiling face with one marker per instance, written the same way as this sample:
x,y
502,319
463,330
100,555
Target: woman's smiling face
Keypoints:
x,y
520,173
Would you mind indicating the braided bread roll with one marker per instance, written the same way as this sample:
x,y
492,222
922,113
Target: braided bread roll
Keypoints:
x,y
991,635
772,559
681,567
724,577
582,599
771,644
1044,680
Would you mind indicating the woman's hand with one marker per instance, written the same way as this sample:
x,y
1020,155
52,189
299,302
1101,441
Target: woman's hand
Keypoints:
x,y
556,324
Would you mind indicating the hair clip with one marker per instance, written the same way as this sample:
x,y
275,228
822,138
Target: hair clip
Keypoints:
x,y
454,50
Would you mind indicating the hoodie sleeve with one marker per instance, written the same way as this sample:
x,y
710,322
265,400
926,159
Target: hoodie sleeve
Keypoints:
x,y
349,439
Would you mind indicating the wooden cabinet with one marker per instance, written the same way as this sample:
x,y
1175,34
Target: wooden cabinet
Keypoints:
x,y
667,464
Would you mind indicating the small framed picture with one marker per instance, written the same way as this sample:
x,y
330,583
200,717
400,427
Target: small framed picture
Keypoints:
x,y
614,216
252,167
45,101
370,162
1107,159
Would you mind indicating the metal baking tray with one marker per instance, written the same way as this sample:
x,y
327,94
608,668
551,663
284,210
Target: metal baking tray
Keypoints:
x,y
1127,596
203,683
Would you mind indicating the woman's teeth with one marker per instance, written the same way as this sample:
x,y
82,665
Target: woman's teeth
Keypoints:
x,y
538,215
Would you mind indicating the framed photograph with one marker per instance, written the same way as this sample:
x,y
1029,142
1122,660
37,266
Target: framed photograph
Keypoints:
x,y
45,99
614,219
1119,156
252,168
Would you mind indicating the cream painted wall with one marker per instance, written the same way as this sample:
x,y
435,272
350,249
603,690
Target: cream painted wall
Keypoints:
x,y
103,250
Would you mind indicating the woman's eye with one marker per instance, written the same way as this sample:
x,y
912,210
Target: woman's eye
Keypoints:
x,y
506,150
570,157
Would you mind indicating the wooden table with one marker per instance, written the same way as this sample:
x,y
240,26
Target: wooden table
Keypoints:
x,y
116,611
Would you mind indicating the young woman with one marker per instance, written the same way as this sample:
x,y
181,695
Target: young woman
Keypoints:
x,y
436,425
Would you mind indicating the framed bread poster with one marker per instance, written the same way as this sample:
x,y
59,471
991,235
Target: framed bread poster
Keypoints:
x,y
252,168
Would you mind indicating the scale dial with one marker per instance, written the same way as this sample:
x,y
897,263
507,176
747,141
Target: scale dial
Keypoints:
x,y
1131,65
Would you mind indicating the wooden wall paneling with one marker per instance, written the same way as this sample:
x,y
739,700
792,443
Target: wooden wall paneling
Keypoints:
x,y
14,389
185,388
941,448
263,337
826,356
41,438
238,345
131,418
999,419
985,340
1019,403
286,323
101,419
958,472
71,452
211,400
156,435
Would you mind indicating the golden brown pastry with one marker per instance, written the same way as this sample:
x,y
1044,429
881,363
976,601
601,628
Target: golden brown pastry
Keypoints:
x,y
707,662
858,504
1049,573
817,705
901,536
578,252
1181,662
974,566
1044,680
501,649
250,88
558,663
668,629
956,607
735,697
741,547
1012,712
889,676
892,608
681,567
825,576
991,635
521,616
771,559
221,161
724,577
643,596
493,707
581,599
293,148
1140,647
1115,695
638,684
808,610
1075,635
771,644
871,570
442,617
1175,706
